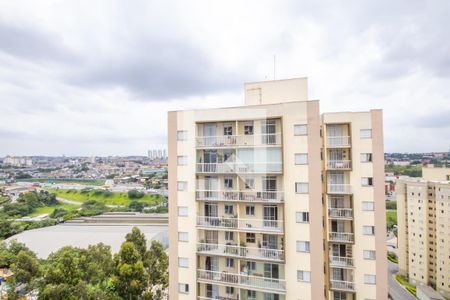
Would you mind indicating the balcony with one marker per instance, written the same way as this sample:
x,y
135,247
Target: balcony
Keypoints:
x,y
340,213
262,253
340,189
243,281
339,285
240,168
216,298
341,261
338,141
241,196
247,225
227,141
339,164
342,237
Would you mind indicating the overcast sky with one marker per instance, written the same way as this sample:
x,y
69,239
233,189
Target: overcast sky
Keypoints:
x,y
98,77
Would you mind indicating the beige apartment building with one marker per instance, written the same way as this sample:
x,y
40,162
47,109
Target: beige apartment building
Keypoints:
x,y
274,201
423,213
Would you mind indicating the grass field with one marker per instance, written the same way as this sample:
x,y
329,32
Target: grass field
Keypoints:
x,y
49,209
108,199
97,182
403,281
391,219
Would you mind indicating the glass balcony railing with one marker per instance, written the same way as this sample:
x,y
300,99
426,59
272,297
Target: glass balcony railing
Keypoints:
x,y
247,225
338,141
262,253
243,281
238,140
241,196
341,261
340,285
340,213
344,237
339,164
339,189
240,168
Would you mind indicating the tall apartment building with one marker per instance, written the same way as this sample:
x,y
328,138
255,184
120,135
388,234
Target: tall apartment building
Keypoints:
x,y
274,201
423,213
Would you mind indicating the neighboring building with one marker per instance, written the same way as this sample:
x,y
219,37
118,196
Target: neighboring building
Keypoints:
x,y
423,210
272,200
18,161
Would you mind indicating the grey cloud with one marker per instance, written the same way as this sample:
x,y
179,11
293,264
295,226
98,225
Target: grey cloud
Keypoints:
x,y
157,70
435,120
33,45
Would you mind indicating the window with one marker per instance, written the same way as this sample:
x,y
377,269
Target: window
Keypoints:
x,y
302,217
250,237
182,160
367,181
182,185
251,294
182,211
227,129
183,237
183,262
251,265
368,230
248,128
228,183
369,254
249,210
183,288
181,135
367,205
229,209
302,246
230,263
366,157
301,187
303,276
365,133
369,279
229,236
249,183
300,129
301,158
229,290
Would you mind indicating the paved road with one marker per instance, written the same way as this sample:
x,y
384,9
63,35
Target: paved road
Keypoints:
x,y
396,291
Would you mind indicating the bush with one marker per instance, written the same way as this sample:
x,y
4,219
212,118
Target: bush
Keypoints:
x,y
391,205
135,194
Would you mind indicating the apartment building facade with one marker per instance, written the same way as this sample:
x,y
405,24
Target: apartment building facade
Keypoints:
x,y
423,213
274,201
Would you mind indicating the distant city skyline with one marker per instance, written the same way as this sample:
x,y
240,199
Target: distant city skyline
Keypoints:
x,y
83,78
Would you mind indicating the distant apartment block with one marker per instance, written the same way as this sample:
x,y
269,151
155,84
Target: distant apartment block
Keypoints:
x,y
18,161
423,212
274,201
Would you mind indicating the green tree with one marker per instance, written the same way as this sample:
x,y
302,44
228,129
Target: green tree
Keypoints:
x,y
157,269
129,280
26,270
140,243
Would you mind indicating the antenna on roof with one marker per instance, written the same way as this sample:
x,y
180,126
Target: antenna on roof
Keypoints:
x,y
274,64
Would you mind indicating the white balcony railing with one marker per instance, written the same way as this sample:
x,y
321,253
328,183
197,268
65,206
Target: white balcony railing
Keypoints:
x,y
245,281
263,253
342,285
238,140
217,298
240,168
242,224
339,188
345,237
340,213
241,196
339,164
341,261
338,141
